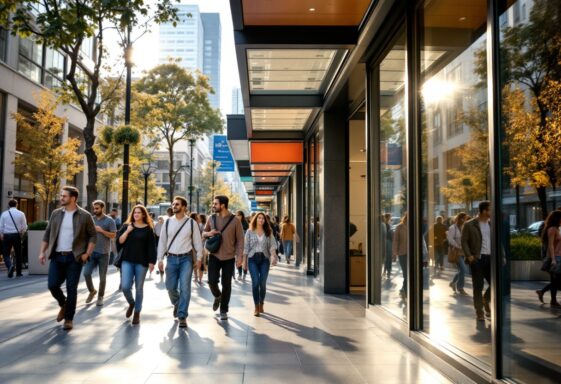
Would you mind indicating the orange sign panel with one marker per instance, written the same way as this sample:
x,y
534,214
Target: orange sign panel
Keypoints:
x,y
275,152
263,192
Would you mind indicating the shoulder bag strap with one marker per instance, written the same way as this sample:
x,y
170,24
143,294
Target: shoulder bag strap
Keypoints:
x,y
13,221
174,236
229,221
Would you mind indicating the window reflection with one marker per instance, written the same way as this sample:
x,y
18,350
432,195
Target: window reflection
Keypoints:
x,y
455,174
393,179
530,47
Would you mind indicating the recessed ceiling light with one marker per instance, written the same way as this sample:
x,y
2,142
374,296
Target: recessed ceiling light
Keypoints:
x,y
463,18
312,9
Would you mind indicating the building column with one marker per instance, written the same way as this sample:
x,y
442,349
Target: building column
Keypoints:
x,y
333,197
9,150
298,212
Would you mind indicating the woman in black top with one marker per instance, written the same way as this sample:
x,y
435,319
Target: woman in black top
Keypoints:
x,y
136,238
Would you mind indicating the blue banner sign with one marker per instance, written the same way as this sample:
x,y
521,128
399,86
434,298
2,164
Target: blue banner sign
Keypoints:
x,y
253,205
221,153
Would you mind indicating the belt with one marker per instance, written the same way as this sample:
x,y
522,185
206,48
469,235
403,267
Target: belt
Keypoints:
x,y
64,253
485,254
180,254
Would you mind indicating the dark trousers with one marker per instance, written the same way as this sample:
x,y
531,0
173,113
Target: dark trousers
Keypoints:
x,y
64,268
480,270
215,266
403,264
12,240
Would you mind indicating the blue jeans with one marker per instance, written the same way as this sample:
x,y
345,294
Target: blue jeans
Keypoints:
x,y
287,245
258,266
64,268
130,271
459,277
179,271
101,260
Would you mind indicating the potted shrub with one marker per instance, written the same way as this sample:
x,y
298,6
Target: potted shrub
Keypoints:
x,y
526,259
35,232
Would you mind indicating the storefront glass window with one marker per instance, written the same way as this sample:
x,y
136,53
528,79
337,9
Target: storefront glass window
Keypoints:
x,y
455,175
530,62
393,246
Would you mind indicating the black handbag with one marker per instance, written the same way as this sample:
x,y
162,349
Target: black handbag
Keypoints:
x,y
213,243
555,269
546,264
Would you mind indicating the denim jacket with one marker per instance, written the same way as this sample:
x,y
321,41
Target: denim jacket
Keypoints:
x,y
250,244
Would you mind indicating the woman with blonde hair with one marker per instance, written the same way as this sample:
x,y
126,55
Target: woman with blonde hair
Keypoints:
x,y
259,254
137,241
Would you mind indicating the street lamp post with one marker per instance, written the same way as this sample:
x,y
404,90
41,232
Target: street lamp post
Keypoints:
x,y
198,201
126,167
146,171
191,144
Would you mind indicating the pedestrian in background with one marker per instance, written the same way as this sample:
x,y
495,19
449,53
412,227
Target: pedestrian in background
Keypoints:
x,y
241,217
287,231
12,227
455,250
136,238
259,254
106,231
68,242
552,238
399,251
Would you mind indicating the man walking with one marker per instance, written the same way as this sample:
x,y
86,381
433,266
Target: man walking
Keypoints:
x,y
476,244
106,231
68,242
180,238
12,227
229,253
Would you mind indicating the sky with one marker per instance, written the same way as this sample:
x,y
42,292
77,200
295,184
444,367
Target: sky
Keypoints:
x,y
145,47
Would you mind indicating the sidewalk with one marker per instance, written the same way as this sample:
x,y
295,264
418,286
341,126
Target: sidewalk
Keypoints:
x,y
303,337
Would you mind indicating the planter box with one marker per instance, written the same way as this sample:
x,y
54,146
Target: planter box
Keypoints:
x,y
34,239
527,270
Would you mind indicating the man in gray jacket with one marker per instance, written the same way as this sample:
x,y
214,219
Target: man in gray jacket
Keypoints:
x,y
476,244
68,242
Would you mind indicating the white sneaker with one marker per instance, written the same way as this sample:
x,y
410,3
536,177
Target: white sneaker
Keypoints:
x,y
99,301
91,296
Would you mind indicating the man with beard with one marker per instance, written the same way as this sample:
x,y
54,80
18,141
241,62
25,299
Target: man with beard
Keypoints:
x,y
180,241
229,254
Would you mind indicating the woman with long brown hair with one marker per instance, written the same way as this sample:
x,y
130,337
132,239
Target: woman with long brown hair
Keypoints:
x,y
551,238
259,254
138,244
287,236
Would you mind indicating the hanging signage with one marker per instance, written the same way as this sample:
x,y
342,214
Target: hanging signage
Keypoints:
x,y
221,153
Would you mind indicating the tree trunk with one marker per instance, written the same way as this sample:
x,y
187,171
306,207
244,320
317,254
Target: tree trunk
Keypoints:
x,y
543,201
91,157
171,174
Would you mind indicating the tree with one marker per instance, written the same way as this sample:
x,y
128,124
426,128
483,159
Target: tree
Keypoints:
x,y
66,26
470,181
46,161
175,105
110,149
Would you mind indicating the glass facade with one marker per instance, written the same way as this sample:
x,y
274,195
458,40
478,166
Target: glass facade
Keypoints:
x,y
455,171
465,108
3,43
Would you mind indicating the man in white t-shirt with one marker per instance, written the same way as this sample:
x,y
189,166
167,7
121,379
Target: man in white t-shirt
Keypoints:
x,y
12,227
476,244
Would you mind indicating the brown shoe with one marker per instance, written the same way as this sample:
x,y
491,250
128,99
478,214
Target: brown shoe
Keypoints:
x,y
257,311
129,310
60,315
261,310
136,318
67,325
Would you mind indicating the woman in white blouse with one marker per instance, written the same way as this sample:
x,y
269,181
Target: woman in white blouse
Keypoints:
x,y
259,254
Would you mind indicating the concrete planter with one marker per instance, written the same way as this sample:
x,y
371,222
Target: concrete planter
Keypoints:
x,y
527,270
34,239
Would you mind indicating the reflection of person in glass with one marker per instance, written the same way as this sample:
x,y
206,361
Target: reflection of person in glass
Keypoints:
x,y
399,251
388,243
438,238
455,240
552,238
476,244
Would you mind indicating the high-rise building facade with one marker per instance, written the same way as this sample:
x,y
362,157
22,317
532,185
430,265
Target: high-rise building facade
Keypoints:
x,y
211,54
237,101
184,41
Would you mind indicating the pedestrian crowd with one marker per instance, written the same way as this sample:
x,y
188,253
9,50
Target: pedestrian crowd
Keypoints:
x,y
182,246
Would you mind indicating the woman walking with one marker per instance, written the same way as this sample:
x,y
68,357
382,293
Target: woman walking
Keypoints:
x,y
138,244
198,273
259,254
552,238
454,237
241,217
287,236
